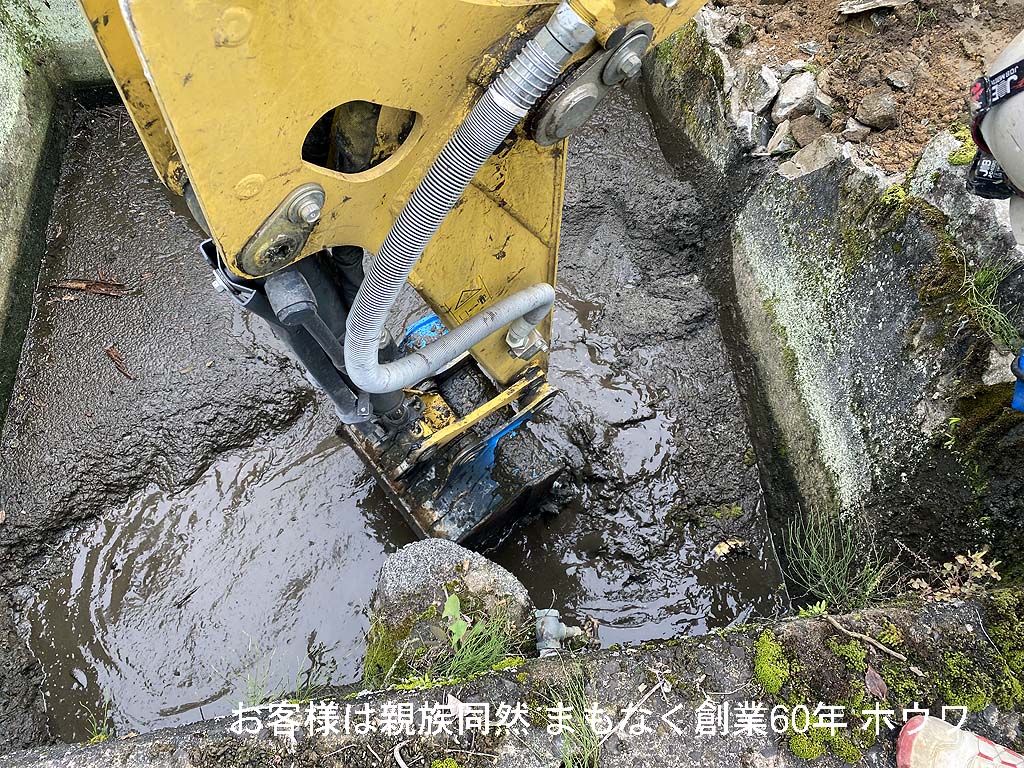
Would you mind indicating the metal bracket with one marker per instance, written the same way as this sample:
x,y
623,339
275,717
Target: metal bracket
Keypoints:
x,y
281,238
532,345
573,101
437,439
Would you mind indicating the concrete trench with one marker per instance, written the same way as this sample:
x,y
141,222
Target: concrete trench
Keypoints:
x,y
206,512
172,526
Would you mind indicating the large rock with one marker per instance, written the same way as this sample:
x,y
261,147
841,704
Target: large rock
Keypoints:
x,y
412,587
806,129
872,356
796,97
878,109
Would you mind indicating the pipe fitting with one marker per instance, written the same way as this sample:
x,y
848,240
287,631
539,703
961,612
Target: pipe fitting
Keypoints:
x,y
551,632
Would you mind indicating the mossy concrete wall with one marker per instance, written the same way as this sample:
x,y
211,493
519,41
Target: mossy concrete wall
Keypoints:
x,y
889,391
46,53
964,654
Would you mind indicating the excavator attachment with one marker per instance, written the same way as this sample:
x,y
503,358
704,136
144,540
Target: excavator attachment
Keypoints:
x,y
298,133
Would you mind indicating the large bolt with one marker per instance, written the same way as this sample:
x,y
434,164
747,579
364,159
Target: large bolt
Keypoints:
x,y
669,3
309,211
306,205
630,64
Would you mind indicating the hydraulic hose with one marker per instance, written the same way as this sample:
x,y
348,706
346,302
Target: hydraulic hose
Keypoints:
x,y
526,79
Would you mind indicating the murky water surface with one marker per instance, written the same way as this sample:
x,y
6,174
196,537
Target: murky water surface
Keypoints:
x,y
176,602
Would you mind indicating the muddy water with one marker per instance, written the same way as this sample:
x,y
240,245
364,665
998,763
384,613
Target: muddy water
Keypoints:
x,y
239,581
178,592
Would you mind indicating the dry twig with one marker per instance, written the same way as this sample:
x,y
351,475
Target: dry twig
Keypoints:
x,y
95,287
119,363
865,638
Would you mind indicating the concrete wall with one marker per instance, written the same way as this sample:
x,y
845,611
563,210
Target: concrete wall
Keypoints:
x,y
46,53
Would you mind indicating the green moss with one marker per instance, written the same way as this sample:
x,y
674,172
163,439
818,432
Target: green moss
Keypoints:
x,y
904,686
687,51
804,746
960,131
510,663
726,512
961,683
1004,620
897,202
383,644
964,155
771,666
844,748
818,741
448,762
890,635
853,653
855,246
985,417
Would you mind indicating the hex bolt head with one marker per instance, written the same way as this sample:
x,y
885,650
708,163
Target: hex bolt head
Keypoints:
x,y
309,212
631,64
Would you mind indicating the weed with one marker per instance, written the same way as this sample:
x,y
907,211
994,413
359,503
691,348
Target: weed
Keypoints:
x,y
950,433
252,675
474,646
964,576
813,610
257,665
312,682
581,747
927,18
100,726
981,295
836,559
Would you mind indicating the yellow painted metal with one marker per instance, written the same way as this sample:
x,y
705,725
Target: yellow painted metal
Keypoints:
x,y
235,85
111,34
441,437
436,414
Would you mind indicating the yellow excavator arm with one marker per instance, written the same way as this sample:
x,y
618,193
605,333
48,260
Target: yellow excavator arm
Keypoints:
x,y
297,130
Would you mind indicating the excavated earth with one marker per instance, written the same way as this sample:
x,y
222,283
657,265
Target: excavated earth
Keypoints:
x,y
178,511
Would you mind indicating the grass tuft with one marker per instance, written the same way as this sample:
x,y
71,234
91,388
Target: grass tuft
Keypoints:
x,y
486,644
835,559
581,747
101,727
981,295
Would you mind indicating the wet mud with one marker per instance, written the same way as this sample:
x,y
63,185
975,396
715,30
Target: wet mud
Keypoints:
x,y
662,468
190,526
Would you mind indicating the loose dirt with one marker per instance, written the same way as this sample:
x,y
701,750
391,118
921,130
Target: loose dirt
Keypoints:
x,y
942,46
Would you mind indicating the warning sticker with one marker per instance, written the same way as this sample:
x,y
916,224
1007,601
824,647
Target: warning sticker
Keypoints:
x,y
470,300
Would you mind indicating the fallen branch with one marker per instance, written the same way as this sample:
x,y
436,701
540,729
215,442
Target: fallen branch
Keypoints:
x,y
865,638
95,287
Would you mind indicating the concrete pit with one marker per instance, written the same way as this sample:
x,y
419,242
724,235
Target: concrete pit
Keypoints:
x,y
181,528
205,503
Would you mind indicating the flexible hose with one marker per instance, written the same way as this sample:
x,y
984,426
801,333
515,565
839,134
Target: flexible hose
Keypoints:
x,y
526,79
